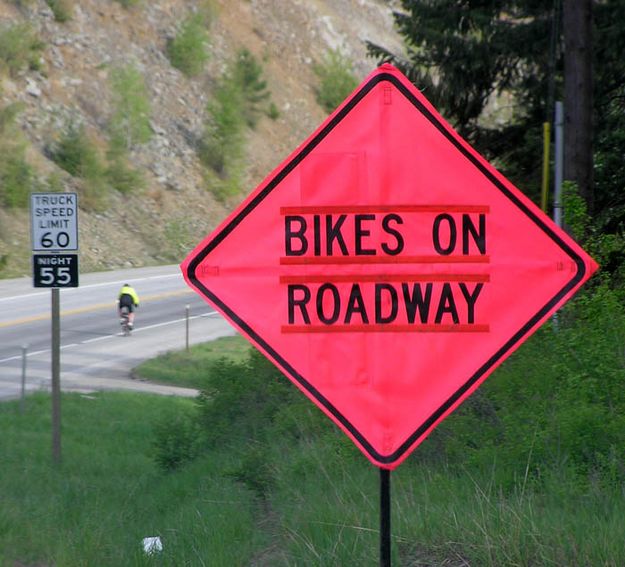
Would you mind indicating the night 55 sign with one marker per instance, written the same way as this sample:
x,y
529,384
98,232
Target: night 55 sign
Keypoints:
x,y
386,268
55,270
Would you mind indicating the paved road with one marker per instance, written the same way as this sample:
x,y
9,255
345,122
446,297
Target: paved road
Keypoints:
x,y
94,355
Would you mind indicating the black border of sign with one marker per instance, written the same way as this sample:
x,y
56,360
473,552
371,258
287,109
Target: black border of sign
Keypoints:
x,y
485,368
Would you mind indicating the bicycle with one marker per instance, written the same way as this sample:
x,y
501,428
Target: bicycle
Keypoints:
x,y
124,321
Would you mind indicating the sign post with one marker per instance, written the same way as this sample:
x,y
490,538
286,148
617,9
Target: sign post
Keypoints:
x,y
54,230
387,269
385,518
56,375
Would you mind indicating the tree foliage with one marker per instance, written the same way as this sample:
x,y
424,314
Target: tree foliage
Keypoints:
x,y
130,123
336,80
463,53
248,75
609,113
20,48
187,51
16,174
558,403
239,98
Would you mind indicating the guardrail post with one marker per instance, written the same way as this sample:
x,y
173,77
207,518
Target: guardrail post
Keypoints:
x,y
187,309
23,392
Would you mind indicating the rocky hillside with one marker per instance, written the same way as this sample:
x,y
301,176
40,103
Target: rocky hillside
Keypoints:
x,y
175,207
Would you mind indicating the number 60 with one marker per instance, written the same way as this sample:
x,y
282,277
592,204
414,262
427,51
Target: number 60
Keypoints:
x,y
62,240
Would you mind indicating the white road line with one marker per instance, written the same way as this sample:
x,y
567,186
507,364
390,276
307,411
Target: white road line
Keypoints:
x,y
105,337
84,287
19,356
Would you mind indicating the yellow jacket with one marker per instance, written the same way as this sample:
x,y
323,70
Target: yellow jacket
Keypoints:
x,y
127,290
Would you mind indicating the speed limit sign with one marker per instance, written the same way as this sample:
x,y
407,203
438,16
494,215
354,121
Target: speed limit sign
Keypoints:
x,y
54,221
55,270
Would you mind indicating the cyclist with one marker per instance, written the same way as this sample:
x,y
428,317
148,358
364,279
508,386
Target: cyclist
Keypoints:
x,y
128,298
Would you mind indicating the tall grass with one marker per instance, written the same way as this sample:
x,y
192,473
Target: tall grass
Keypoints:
x,y
251,473
108,494
189,368
442,514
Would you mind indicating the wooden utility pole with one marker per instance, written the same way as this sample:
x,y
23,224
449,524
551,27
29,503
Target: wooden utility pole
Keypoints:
x,y
578,162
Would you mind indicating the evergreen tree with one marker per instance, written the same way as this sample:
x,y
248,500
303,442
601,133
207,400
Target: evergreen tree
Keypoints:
x,y
248,74
609,113
462,53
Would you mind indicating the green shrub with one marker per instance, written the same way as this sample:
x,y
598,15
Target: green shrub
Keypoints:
x,y
124,178
79,156
336,80
16,175
248,75
62,9
272,112
16,179
555,404
243,399
187,51
128,3
176,441
223,144
19,48
76,153
254,471
179,238
238,100
130,123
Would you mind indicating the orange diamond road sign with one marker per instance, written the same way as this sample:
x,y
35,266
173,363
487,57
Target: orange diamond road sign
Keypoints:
x,y
386,268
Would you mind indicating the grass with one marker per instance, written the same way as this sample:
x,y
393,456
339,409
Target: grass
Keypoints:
x,y
447,510
188,369
295,492
108,494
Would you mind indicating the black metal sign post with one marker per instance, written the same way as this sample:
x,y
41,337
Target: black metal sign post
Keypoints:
x,y
385,518
56,377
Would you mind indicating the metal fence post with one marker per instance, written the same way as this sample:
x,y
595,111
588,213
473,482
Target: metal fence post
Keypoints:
x,y
23,391
187,308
